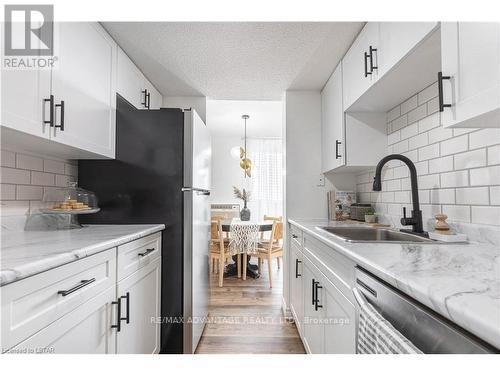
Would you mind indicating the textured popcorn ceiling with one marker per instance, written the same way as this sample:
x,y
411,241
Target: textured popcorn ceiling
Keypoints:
x,y
249,61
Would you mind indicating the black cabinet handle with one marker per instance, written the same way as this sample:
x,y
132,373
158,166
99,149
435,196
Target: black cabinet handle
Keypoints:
x,y
297,274
145,103
316,300
61,124
372,67
294,236
50,100
313,292
118,324
83,283
366,65
442,106
146,252
337,144
127,304
148,97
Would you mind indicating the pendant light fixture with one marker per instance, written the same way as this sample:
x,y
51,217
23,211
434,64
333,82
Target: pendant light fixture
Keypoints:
x,y
245,162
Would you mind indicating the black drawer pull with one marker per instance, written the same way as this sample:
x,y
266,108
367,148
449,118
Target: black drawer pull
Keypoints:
x,y
127,304
297,274
316,300
50,100
61,124
146,252
118,324
83,283
337,144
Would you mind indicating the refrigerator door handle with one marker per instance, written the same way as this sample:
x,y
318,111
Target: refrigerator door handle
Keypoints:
x,y
197,191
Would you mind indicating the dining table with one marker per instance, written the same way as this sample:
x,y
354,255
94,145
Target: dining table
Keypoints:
x,y
252,270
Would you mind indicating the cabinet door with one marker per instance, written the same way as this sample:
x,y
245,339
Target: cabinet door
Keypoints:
x,y
332,122
85,80
339,321
130,81
353,64
313,332
296,289
141,334
23,107
397,39
85,330
470,55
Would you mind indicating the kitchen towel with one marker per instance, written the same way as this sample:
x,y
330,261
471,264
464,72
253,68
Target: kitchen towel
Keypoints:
x,y
376,335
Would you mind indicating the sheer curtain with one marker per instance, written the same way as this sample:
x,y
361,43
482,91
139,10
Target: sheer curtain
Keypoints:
x,y
266,183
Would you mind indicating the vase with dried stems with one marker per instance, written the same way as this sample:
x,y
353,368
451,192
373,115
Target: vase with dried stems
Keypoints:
x,y
244,195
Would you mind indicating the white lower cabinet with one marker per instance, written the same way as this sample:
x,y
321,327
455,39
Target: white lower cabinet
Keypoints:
x,y
82,308
84,330
325,318
139,295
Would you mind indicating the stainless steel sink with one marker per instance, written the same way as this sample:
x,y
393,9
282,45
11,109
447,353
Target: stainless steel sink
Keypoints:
x,y
365,234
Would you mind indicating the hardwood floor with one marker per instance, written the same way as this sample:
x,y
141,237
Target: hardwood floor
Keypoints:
x,y
246,318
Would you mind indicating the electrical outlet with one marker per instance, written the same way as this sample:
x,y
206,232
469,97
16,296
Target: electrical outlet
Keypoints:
x,y
321,180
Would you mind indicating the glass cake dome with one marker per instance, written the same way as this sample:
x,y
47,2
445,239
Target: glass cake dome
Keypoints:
x,y
69,200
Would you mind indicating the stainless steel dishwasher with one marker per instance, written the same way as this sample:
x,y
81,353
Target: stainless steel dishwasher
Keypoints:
x,y
427,330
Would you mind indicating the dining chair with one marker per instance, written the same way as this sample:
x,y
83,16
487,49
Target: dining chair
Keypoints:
x,y
271,249
269,218
219,251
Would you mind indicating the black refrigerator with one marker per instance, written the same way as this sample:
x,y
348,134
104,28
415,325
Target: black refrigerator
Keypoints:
x,y
161,175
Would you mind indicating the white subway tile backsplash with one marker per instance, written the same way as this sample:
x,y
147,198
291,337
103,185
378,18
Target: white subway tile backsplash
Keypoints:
x,y
418,141
473,195
428,123
484,137
417,114
428,93
15,176
29,192
53,166
42,178
394,113
443,164
455,145
442,196
409,104
8,159
25,177
8,192
493,155
457,213
471,159
458,169
428,152
409,131
485,176
32,163
455,179
439,134
486,215
495,195
429,181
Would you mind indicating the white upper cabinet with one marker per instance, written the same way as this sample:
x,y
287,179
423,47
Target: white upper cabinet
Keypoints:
x,y
360,64
397,39
470,61
332,122
134,86
84,86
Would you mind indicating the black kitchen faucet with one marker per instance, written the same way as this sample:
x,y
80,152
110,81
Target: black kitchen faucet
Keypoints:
x,y
416,215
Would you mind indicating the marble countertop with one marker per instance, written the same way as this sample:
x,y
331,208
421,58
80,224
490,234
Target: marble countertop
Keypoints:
x,y
26,253
459,281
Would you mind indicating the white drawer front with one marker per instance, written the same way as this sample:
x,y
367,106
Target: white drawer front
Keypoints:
x,y
33,303
136,254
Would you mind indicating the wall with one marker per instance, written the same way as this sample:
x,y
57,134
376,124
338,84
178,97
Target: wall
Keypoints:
x,y
304,198
225,170
199,103
25,178
458,169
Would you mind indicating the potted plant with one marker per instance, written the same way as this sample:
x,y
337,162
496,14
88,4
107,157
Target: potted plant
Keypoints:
x,y
244,195
370,215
